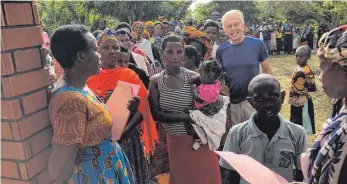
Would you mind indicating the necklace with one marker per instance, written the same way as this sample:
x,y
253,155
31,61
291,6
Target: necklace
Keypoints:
x,y
139,41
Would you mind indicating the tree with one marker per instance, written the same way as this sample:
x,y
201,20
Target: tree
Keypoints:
x,y
204,11
56,13
331,13
129,11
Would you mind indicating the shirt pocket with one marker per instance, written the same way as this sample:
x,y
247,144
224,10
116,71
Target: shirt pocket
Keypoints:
x,y
285,155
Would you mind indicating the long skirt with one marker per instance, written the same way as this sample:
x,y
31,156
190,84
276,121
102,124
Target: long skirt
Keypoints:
x,y
279,45
191,167
105,163
310,42
288,43
304,116
134,150
160,160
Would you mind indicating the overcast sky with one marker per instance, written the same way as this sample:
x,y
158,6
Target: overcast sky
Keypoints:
x,y
193,5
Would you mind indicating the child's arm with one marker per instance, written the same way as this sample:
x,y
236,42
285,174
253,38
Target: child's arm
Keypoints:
x,y
196,95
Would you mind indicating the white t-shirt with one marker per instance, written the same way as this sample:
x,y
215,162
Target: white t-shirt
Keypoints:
x,y
145,45
214,50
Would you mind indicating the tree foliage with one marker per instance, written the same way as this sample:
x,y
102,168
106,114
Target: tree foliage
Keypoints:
x,y
56,13
130,11
204,11
332,13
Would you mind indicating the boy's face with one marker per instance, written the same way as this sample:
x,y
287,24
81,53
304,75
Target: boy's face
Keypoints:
x,y
212,32
123,60
266,98
302,56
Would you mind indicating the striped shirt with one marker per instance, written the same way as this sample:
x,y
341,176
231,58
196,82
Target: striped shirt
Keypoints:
x,y
175,101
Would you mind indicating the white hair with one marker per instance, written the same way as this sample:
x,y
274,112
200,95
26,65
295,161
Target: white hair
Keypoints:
x,y
232,12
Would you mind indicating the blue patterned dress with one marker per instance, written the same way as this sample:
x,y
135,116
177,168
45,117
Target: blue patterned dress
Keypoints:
x,y
79,117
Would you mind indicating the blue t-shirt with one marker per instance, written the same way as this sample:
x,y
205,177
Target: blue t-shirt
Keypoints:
x,y
241,64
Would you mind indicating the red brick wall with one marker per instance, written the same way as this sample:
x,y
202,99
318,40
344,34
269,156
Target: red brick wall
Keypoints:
x,y
25,129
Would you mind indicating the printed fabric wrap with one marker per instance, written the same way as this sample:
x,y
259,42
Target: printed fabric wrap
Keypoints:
x,y
334,44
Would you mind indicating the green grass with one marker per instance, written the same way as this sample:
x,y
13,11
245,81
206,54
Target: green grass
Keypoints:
x,y
282,68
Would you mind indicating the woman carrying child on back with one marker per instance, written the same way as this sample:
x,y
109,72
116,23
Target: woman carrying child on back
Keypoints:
x,y
303,82
209,112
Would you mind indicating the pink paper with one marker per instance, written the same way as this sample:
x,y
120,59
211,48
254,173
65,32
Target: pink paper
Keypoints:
x,y
117,105
135,87
251,170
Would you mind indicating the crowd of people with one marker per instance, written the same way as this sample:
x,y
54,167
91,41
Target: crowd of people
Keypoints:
x,y
191,77
286,37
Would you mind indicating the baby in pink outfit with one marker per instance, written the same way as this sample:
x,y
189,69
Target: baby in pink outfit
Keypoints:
x,y
207,97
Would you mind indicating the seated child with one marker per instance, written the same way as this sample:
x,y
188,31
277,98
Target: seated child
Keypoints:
x,y
207,95
266,136
303,82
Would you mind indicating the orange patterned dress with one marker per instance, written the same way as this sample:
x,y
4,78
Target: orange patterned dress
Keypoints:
x,y
79,117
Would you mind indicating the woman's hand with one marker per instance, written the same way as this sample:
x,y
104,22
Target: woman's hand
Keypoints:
x,y
133,104
195,79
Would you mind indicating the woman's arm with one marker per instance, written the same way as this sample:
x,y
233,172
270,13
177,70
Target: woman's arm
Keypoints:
x,y
61,161
134,120
155,108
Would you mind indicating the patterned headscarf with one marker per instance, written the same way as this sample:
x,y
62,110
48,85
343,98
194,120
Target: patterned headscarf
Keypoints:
x,y
190,29
203,38
334,43
149,23
106,36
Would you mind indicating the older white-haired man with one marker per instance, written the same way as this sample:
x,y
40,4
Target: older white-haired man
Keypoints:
x,y
240,57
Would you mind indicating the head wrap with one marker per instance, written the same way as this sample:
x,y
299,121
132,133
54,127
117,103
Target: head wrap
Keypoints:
x,y
203,38
149,23
138,22
334,43
190,29
157,22
106,36
146,33
135,23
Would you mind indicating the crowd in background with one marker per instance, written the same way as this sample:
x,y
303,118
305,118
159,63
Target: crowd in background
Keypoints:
x,y
182,67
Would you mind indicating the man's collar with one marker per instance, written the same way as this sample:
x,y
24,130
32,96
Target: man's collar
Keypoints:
x,y
255,132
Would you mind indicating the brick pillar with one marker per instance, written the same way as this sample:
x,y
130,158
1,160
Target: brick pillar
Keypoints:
x,y
25,129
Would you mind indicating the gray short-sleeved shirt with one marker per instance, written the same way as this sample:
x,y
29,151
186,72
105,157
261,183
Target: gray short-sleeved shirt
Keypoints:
x,y
279,154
